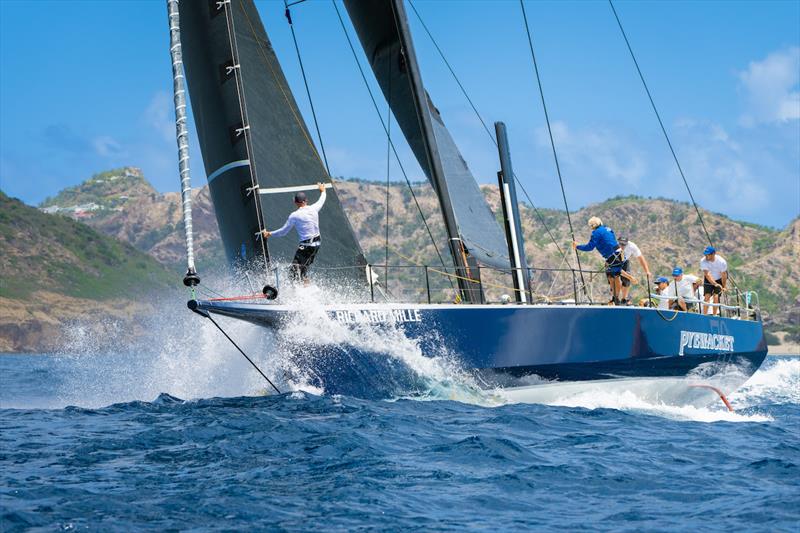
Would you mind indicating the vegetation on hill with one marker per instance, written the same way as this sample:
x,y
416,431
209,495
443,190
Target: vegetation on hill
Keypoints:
x,y
108,190
124,205
57,254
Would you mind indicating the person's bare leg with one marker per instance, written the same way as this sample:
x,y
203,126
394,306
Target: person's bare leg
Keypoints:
x,y
707,298
625,291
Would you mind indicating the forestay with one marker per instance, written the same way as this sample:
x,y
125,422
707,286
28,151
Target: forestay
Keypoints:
x,y
252,134
374,22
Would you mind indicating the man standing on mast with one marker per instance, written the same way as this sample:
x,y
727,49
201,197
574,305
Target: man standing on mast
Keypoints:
x,y
605,242
306,221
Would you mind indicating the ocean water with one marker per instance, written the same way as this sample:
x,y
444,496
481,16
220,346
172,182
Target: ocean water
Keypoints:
x,y
166,436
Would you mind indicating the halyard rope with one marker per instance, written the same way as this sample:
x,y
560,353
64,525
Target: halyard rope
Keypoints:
x,y
553,144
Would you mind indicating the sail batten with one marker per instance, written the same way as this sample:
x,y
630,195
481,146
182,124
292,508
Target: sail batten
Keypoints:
x,y
227,167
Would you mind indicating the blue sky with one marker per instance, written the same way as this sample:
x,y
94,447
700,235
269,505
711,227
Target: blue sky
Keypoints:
x,y
86,86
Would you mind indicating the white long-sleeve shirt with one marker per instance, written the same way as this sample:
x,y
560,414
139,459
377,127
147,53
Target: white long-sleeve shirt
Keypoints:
x,y
305,220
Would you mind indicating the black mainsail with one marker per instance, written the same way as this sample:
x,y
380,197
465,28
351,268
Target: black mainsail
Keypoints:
x,y
251,134
383,31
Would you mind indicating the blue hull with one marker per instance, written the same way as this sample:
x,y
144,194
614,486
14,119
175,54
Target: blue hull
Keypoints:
x,y
506,344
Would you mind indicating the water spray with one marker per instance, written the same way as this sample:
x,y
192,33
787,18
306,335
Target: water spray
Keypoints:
x,y
193,306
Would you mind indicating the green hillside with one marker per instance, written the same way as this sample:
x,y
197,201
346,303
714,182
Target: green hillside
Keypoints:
x,y
56,254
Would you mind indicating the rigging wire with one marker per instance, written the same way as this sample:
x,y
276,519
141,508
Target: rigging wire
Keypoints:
x,y
553,145
388,174
288,15
486,129
386,131
664,131
661,123
237,72
447,64
206,314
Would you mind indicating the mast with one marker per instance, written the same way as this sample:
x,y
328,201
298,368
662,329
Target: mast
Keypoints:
x,y
469,291
508,197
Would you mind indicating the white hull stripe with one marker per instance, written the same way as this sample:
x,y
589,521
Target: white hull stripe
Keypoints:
x,y
225,168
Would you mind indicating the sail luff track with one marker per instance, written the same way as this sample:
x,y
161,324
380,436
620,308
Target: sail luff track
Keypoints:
x,y
238,76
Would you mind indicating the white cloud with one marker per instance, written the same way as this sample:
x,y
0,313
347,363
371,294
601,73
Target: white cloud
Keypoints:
x,y
771,88
599,153
719,171
106,146
160,115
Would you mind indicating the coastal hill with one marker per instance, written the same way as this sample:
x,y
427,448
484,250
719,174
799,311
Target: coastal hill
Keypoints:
x,y
54,270
120,203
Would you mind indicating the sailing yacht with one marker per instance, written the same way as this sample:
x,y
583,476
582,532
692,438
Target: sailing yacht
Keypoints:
x,y
257,151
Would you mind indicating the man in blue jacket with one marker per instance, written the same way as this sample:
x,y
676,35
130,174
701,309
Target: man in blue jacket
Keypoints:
x,y
605,242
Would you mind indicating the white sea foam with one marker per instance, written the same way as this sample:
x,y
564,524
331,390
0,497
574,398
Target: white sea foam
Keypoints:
x,y
311,330
183,355
628,396
778,382
677,398
187,357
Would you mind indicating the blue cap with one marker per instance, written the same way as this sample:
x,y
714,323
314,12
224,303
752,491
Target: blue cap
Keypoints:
x,y
677,271
709,250
661,279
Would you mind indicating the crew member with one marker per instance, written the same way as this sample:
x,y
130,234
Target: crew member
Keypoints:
x,y
630,251
697,285
605,242
715,278
678,290
661,284
305,219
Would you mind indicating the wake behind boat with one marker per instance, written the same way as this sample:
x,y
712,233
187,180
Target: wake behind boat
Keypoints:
x,y
257,150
